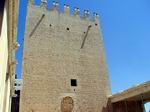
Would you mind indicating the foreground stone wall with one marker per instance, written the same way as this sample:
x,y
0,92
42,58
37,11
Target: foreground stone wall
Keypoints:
x,y
4,94
53,56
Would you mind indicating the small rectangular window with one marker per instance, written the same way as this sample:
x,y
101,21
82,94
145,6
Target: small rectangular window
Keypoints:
x,y
73,82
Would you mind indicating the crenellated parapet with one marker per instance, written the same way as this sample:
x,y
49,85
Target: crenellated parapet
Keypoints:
x,y
96,15
76,12
66,9
86,13
55,6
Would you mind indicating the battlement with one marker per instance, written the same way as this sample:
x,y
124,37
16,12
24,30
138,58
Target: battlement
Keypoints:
x,y
66,10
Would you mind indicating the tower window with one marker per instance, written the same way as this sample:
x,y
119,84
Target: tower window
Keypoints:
x,y
73,82
68,29
50,25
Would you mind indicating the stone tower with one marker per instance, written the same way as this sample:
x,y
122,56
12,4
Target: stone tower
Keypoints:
x,y
64,67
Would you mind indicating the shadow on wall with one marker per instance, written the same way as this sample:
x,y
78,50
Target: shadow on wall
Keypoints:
x,y
108,107
2,3
124,106
15,102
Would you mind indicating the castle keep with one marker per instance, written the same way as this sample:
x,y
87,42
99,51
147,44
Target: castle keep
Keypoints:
x,y
64,67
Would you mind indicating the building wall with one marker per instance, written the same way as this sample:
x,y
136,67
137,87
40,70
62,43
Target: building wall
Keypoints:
x,y
53,56
8,27
4,84
127,106
7,98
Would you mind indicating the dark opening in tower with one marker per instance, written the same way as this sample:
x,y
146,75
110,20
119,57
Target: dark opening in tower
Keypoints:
x,y
73,82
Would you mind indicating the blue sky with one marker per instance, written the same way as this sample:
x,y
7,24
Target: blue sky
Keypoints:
x,y
126,31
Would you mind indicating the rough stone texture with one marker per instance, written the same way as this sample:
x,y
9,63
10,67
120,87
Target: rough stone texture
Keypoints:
x,y
53,56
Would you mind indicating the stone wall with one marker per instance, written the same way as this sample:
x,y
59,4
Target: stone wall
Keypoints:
x,y
53,57
3,62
